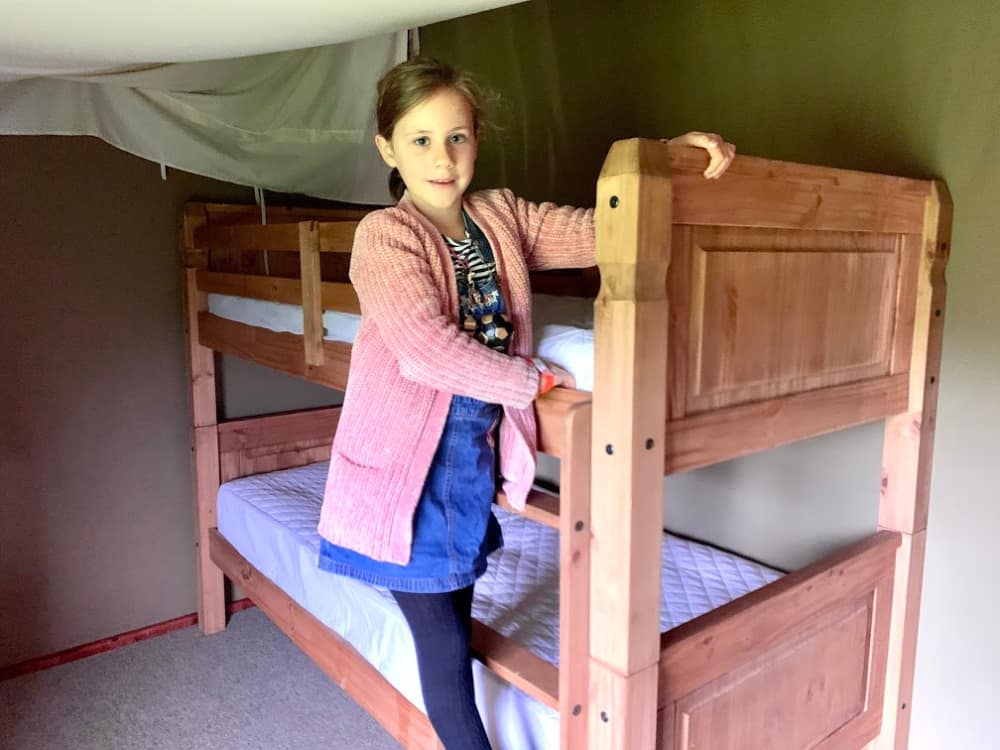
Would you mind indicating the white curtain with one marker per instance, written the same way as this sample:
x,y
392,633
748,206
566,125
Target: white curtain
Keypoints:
x,y
300,121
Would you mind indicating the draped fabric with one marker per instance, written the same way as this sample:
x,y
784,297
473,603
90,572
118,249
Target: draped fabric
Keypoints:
x,y
274,95
298,122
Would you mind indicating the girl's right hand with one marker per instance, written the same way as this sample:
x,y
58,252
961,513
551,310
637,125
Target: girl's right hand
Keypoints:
x,y
550,376
563,378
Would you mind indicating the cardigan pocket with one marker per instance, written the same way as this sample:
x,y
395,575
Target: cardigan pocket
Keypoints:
x,y
351,464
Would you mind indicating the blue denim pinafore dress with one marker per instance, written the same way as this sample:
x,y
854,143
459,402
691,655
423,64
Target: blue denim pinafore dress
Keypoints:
x,y
454,529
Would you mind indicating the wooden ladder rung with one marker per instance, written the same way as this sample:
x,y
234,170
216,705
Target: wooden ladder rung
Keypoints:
x,y
541,507
516,664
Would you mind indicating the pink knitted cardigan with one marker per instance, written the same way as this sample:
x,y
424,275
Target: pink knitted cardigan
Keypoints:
x,y
409,357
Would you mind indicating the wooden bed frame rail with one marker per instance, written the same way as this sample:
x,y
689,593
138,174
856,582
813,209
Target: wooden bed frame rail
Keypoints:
x,y
779,302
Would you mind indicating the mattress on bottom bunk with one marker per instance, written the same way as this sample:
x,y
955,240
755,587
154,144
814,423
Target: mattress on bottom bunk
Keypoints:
x,y
562,327
271,520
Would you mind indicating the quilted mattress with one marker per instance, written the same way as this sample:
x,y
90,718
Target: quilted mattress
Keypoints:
x,y
271,520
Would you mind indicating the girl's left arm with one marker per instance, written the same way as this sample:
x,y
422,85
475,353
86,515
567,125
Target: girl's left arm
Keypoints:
x,y
554,236
564,237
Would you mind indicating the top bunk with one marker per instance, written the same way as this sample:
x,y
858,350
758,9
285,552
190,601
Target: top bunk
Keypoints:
x,y
775,303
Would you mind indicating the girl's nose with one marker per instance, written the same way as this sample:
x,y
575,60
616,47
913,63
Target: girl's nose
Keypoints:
x,y
443,155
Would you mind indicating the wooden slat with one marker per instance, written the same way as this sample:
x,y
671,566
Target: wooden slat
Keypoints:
x,y
259,444
629,411
715,436
279,351
574,582
337,658
278,431
268,288
241,237
540,507
516,664
335,295
336,237
312,306
249,213
764,193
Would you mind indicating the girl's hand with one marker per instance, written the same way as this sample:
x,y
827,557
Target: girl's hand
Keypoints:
x,y
563,378
550,376
720,152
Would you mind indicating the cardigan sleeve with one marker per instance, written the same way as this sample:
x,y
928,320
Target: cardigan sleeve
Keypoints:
x,y
396,291
554,236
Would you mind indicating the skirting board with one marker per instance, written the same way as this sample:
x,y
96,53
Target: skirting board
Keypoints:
x,y
112,642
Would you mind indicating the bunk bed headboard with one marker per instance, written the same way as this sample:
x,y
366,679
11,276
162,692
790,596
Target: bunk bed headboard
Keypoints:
x,y
792,293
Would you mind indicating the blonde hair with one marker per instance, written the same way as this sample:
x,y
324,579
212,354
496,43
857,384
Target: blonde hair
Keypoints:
x,y
412,82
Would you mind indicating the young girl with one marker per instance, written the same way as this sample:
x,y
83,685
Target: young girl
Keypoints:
x,y
442,357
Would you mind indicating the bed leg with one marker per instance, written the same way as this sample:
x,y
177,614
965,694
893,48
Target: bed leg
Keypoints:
x,y
211,592
205,459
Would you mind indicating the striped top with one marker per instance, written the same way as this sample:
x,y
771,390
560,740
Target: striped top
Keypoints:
x,y
481,309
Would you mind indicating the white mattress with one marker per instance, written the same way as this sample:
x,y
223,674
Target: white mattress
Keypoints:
x,y
563,327
271,519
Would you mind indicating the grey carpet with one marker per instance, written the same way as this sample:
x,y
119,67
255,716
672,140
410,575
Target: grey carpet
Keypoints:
x,y
248,688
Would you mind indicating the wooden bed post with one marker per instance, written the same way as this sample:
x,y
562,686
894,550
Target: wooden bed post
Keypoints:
x,y
906,468
201,363
629,413
312,293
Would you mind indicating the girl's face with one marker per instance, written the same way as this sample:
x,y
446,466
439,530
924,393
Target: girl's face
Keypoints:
x,y
434,147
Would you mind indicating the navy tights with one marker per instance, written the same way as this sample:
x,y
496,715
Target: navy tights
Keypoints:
x,y
441,625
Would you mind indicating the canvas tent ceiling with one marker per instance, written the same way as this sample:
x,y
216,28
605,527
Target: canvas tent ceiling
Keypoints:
x,y
60,37
278,95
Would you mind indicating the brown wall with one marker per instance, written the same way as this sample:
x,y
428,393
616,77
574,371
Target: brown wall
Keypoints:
x,y
95,512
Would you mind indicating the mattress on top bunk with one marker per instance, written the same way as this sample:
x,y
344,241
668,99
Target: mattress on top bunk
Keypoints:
x,y
562,327
271,520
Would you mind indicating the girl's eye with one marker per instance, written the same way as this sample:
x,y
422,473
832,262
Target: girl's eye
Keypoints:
x,y
421,141
458,138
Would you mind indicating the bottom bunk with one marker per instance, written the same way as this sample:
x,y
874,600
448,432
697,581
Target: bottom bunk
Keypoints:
x,y
718,664
270,520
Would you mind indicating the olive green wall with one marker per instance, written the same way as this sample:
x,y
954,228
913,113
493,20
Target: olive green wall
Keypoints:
x,y
910,87
91,545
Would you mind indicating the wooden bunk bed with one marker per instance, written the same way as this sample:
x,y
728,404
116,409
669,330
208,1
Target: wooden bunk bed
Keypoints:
x,y
777,303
